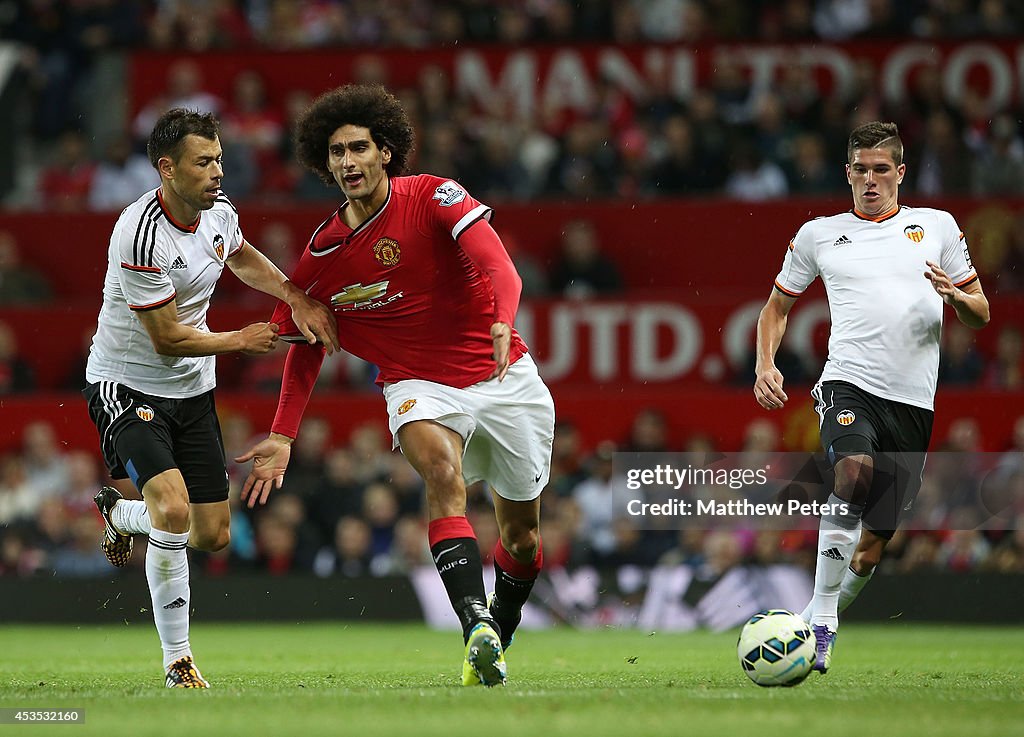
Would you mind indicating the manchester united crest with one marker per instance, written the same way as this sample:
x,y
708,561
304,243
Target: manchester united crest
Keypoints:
x,y
387,251
407,405
914,233
218,246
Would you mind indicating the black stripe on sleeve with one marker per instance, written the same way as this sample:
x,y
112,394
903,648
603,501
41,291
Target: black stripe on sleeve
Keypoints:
x,y
138,230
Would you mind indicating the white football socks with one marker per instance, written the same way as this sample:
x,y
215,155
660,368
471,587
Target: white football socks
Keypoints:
x,y
167,574
838,534
849,589
131,517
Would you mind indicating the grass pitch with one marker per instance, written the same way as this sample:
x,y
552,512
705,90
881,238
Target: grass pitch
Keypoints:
x,y
344,679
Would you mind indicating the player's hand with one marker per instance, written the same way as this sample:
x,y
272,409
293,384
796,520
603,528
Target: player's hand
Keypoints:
x,y
501,337
315,322
260,337
768,389
941,283
270,460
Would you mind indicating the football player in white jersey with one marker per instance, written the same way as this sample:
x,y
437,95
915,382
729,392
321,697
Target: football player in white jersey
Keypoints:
x,y
151,376
887,271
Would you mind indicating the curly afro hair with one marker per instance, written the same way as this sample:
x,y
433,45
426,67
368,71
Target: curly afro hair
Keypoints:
x,y
368,106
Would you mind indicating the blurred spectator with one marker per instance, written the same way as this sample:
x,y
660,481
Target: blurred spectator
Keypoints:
x,y
962,551
19,284
276,540
408,551
582,270
681,166
16,376
943,160
184,89
83,481
380,510
567,470
649,432
45,462
959,362
65,184
74,379
535,282
999,170
810,172
80,556
121,177
251,125
349,556
19,502
594,498
753,178
1006,369
309,452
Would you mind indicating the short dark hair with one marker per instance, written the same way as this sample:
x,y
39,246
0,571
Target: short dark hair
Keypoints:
x,y
170,130
366,105
876,134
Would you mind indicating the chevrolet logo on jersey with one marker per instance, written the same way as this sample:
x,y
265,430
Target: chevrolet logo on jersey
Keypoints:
x,y
357,294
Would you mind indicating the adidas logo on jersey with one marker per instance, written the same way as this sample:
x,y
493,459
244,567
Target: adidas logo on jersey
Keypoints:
x,y
179,263
833,553
842,241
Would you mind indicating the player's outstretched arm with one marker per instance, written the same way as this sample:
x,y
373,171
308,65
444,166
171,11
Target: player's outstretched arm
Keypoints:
x,y
771,326
270,460
970,303
313,319
171,338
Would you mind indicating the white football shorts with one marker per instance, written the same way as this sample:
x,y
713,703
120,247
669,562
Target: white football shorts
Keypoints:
x,y
506,427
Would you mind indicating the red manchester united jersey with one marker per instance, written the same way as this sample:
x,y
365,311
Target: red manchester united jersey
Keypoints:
x,y
406,296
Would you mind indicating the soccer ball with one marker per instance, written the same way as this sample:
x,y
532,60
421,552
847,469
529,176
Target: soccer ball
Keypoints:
x,y
776,648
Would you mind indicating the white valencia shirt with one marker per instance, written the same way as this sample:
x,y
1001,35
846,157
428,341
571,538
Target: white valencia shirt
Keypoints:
x,y
886,317
152,260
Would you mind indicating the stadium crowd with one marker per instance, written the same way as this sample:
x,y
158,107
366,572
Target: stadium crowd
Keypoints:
x,y
351,507
730,138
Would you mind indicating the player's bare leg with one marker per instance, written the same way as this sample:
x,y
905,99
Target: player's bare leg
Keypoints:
x,y
518,558
435,452
210,527
167,573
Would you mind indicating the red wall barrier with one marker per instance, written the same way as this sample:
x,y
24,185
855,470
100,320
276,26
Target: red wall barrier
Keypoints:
x,y
625,342
686,249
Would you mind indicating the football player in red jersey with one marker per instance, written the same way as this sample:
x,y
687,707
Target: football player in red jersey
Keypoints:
x,y
422,286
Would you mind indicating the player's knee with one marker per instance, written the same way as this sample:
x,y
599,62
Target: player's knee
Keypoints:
x,y
441,475
521,541
853,476
172,513
210,541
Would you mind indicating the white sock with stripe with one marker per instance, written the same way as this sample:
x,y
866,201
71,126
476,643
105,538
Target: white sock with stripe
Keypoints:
x,y
849,589
131,517
167,574
838,535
